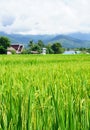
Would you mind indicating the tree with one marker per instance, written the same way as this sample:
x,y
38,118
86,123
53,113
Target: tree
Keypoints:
x,y
31,44
57,48
2,50
82,49
88,50
49,49
4,43
36,46
40,43
40,46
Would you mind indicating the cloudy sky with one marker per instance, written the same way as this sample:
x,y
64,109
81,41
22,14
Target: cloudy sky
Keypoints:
x,y
44,16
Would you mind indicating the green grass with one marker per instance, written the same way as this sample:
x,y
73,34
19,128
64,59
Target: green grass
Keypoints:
x,y
45,92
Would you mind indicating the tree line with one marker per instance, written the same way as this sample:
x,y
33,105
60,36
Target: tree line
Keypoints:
x,y
51,48
54,48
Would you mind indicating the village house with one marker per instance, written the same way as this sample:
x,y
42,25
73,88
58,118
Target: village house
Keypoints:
x,y
17,48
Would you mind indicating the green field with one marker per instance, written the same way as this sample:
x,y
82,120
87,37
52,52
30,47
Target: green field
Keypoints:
x,y
45,92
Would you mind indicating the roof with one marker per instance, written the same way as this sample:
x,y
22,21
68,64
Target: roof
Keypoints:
x,y
17,47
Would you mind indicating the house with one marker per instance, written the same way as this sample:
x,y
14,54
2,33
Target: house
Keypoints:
x,y
17,48
72,52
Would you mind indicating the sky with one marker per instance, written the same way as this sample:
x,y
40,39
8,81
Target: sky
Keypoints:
x,y
44,16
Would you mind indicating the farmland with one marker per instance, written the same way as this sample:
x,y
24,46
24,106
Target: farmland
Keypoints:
x,y
45,92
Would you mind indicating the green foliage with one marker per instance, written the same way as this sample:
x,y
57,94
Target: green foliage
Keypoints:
x,y
2,50
4,43
31,45
82,49
13,52
36,46
40,44
25,51
54,48
88,50
49,49
57,48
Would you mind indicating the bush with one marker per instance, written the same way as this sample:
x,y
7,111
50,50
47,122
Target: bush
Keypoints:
x,y
2,50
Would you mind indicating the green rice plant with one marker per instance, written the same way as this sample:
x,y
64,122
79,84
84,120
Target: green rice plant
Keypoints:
x,y
45,92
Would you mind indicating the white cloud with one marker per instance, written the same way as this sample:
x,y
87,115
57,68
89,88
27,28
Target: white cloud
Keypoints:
x,y
7,20
44,16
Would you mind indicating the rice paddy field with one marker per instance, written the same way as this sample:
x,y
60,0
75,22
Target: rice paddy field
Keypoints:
x,y
44,92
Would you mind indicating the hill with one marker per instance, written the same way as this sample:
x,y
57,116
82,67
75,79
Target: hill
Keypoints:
x,y
70,42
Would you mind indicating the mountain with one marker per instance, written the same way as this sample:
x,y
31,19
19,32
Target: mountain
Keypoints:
x,y
67,41
81,36
24,39
70,42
